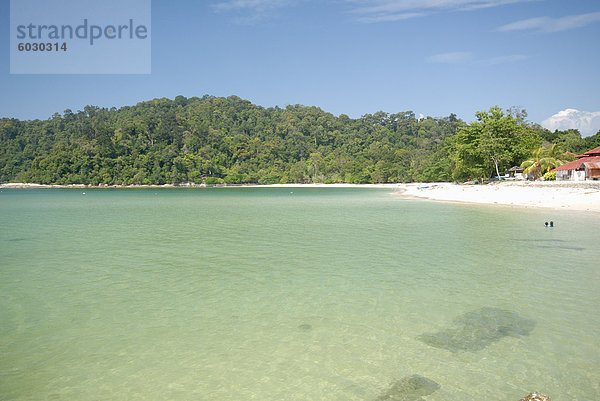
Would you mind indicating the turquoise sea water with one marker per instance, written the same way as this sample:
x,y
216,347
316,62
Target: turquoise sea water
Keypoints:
x,y
293,294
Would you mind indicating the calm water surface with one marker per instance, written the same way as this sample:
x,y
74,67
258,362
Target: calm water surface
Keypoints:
x,y
293,294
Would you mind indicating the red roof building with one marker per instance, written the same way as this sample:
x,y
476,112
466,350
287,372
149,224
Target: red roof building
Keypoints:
x,y
590,153
586,167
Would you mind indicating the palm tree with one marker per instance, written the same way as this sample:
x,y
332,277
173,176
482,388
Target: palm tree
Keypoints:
x,y
545,159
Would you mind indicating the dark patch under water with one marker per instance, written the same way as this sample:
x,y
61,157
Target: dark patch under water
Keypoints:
x,y
572,248
410,388
475,330
537,240
16,239
305,327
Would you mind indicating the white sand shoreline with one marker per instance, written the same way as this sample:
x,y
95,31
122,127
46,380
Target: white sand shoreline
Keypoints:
x,y
562,195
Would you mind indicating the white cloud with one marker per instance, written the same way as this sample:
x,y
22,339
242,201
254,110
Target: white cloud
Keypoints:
x,y
394,10
367,11
388,17
376,6
547,24
588,123
251,11
251,5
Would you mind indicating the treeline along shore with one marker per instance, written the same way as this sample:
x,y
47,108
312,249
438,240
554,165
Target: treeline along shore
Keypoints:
x,y
215,140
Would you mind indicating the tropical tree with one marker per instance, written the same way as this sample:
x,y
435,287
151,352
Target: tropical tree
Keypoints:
x,y
491,144
544,159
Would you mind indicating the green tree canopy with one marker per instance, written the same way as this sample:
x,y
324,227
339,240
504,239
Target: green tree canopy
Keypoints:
x,y
216,139
226,139
491,144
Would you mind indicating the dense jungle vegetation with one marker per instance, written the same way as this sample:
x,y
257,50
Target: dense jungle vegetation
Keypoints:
x,y
231,140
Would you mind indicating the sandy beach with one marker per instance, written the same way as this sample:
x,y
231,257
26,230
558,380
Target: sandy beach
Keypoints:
x,y
566,195
581,196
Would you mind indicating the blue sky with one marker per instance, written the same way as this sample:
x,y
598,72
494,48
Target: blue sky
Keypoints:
x,y
434,57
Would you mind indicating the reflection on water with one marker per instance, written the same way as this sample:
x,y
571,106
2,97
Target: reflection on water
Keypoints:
x,y
476,330
410,388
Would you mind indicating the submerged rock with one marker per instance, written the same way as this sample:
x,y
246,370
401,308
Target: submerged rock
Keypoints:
x,y
476,330
305,327
536,397
410,388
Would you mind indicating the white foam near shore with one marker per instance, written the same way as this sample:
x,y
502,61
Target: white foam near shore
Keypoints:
x,y
584,196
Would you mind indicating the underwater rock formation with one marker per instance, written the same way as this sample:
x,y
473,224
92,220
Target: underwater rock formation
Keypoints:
x,y
476,330
536,397
410,388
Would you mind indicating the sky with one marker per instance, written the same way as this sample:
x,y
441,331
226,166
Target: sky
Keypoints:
x,y
432,57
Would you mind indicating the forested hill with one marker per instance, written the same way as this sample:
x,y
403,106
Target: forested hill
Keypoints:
x,y
169,141
231,140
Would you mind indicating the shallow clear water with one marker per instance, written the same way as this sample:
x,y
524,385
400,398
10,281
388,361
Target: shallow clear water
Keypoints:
x,y
293,294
